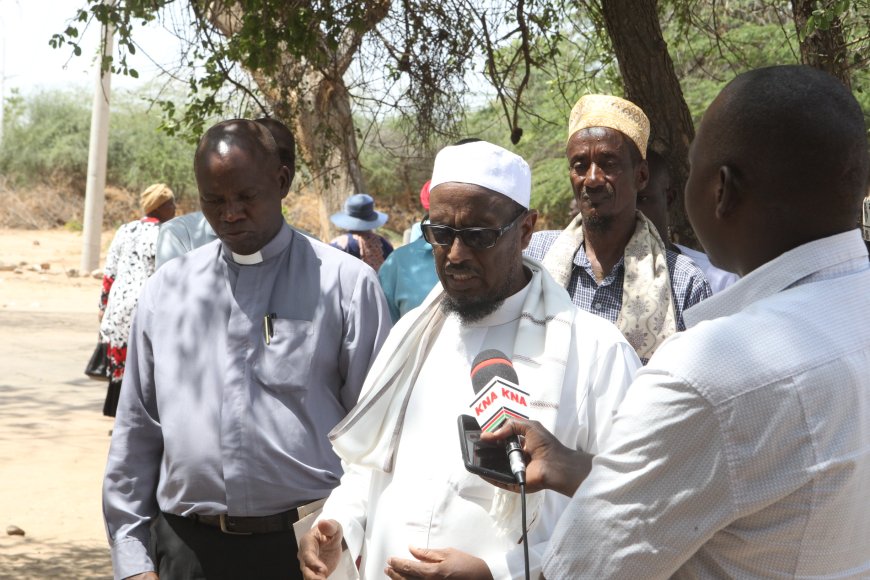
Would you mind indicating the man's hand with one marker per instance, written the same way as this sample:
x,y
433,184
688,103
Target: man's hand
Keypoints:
x,y
320,550
549,464
144,576
446,563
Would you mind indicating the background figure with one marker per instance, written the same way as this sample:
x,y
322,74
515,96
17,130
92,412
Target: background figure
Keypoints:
x,y
866,222
184,233
655,200
414,232
359,218
129,263
573,209
610,258
408,275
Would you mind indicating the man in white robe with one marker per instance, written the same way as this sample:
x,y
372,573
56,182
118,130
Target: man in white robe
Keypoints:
x,y
406,503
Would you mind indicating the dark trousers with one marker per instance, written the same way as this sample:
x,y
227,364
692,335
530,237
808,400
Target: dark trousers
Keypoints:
x,y
113,394
186,550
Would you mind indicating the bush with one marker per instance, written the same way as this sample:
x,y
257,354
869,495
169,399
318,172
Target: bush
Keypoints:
x,y
46,143
45,140
141,154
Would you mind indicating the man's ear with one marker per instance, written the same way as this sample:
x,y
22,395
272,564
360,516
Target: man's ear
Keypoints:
x,y
641,175
527,227
728,194
285,179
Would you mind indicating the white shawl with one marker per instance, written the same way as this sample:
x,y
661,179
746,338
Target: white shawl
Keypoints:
x,y
370,434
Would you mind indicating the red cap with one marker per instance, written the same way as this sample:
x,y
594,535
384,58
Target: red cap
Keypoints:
x,y
424,195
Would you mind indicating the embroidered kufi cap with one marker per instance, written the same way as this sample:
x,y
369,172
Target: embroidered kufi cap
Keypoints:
x,y
155,196
487,165
611,112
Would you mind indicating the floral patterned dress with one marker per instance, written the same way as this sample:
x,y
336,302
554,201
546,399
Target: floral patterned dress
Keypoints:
x,y
129,263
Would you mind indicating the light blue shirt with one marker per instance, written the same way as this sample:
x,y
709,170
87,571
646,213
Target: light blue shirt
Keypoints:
x,y
211,418
181,235
407,276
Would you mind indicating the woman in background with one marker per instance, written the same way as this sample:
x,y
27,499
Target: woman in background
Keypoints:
x,y
129,263
359,218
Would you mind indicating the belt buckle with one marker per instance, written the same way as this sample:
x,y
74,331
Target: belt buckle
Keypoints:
x,y
223,522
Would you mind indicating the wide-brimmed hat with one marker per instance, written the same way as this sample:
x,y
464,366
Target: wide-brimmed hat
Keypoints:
x,y
359,214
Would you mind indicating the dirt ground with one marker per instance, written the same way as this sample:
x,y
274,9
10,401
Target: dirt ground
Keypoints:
x,y
53,437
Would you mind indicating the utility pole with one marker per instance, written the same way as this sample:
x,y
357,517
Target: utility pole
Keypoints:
x,y
95,191
2,76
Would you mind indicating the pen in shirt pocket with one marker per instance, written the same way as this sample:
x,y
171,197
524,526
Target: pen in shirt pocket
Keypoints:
x,y
268,327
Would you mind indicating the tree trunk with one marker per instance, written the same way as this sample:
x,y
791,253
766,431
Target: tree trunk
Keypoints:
x,y
651,83
823,49
316,103
319,111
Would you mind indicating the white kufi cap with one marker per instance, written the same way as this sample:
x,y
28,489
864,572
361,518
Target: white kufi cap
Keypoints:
x,y
487,165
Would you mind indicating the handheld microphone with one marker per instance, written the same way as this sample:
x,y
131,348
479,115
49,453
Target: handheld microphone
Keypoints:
x,y
497,399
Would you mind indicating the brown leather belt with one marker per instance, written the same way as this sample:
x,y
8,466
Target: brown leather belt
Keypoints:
x,y
245,525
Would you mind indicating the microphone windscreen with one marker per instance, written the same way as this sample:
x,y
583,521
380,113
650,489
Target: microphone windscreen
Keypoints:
x,y
489,364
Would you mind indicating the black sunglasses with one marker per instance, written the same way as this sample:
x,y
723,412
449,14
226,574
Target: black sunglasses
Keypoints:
x,y
474,238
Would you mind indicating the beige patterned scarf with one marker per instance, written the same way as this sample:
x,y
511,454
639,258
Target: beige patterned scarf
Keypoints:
x,y
647,316
370,434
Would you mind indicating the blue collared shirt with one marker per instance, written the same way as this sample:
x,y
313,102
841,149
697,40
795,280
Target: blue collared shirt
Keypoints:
x,y
688,283
181,235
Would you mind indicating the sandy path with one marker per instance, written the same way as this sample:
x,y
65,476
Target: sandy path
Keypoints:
x,y
53,437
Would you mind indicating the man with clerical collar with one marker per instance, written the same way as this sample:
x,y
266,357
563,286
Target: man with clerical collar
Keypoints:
x,y
609,258
405,483
184,233
244,353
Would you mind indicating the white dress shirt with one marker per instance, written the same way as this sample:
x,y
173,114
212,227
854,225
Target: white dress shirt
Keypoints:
x,y
742,450
430,500
718,278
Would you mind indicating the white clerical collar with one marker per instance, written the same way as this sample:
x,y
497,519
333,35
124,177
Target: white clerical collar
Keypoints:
x,y
247,260
273,248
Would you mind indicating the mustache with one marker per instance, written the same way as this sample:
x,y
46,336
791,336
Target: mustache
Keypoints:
x,y
608,188
451,269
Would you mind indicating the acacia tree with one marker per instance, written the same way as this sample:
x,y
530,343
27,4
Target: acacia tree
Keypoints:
x,y
651,83
309,92
831,34
822,42
312,62
294,58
